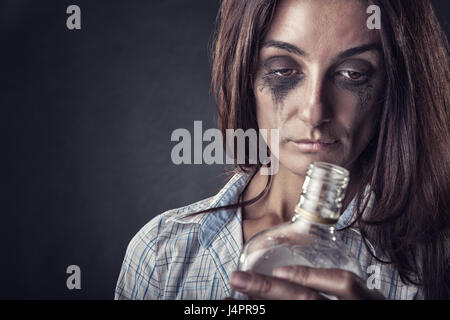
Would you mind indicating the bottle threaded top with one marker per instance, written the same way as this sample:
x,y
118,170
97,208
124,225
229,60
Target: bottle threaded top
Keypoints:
x,y
323,192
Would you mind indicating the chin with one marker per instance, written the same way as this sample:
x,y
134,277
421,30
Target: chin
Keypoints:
x,y
299,164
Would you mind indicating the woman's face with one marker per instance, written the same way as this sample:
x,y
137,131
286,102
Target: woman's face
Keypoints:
x,y
319,77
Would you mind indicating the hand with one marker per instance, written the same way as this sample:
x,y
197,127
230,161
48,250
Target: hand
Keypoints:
x,y
303,283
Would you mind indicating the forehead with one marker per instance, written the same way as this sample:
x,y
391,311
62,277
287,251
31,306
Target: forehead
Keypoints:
x,y
322,25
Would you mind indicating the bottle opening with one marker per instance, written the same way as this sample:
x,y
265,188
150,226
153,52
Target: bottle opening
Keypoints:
x,y
323,190
328,172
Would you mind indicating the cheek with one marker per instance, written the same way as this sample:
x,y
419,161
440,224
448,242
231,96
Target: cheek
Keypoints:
x,y
357,113
354,104
268,113
275,113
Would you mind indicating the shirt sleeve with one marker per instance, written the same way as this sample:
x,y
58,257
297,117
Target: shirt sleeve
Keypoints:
x,y
138,278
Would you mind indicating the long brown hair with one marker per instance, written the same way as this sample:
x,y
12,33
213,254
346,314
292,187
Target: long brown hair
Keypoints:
x,y
406,165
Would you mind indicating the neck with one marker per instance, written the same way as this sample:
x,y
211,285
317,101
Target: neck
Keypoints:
x,y
281,198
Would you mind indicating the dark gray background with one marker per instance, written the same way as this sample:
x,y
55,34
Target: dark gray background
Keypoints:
x,y
86,119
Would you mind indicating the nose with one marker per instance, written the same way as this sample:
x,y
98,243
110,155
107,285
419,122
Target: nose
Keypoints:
x,y
314,109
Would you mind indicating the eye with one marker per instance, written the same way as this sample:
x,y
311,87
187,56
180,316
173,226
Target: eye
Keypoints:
x,y
285,73
353,76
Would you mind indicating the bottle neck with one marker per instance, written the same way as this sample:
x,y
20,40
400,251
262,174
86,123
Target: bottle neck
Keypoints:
x,y
306,223
315,216
322,193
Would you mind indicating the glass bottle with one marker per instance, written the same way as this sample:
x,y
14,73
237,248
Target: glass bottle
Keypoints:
x,y
310,237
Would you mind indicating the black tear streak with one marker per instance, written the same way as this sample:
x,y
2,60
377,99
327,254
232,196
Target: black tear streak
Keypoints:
x,y
365,95
278,87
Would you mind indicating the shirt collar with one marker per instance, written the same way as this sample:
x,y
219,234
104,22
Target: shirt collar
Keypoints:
x,y
212,223
215,221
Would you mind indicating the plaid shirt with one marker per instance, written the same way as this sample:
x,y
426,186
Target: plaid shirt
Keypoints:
x,y
177,256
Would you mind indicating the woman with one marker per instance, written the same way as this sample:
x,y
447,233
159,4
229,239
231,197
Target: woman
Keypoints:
x,y
376,101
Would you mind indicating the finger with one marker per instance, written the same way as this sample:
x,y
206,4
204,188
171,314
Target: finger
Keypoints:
x,y
259,286
341,283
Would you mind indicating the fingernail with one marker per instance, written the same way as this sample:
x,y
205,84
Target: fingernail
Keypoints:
x,y
240,280
283,272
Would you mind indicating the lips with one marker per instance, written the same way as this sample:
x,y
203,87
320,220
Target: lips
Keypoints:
x,y
322,141
320,145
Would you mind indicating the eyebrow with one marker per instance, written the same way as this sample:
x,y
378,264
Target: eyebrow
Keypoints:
x,y
358,50
284,46
342,55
